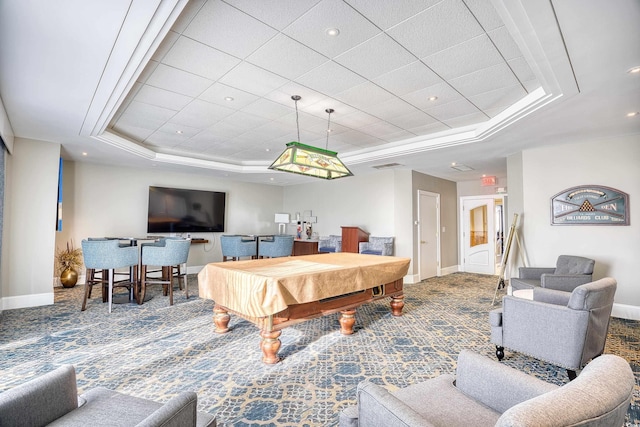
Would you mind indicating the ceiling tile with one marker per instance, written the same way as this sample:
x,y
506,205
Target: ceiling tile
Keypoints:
x,y
412,120
392,108
330,78
429,128
224,34
276,13
443,91
464,58
409,78
162,98
386,14
364,95
355,120
376,56
186,16
448,111
522,70
147,71
197,58
485,13
244,120
132,131
502,97
217,93
201,114
267,109
166,44
505,43
179,81
154,112
380,129
471,119
165,139
252,79
283,95
485,80
286,57
310,28
182,130
446,24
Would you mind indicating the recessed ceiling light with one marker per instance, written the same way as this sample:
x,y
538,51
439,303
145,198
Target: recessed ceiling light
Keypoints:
x,y
332,32
635,113
84,153
271,179
179,132
634,70
433,98
267,149
228,98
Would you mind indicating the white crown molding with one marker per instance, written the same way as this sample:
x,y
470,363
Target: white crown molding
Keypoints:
x,y
140,35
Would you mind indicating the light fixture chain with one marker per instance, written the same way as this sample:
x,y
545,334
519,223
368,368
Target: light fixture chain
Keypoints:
x,y
329,111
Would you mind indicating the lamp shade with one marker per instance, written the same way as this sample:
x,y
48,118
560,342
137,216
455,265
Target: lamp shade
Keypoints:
x,y
310,161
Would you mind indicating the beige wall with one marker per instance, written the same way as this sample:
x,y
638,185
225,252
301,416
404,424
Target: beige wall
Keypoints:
x,y
448,216
112,201
28,239
547,171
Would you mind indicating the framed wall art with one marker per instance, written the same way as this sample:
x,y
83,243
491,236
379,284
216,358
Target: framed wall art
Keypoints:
x,y
590,205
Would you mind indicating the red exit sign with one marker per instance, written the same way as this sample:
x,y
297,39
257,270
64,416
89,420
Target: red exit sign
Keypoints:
x,y
488,180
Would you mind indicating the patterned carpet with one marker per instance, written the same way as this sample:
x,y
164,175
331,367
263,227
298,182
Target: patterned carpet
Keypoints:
x,y
154,351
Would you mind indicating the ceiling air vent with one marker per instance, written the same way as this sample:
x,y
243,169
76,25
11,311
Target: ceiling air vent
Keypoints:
x,y
388,165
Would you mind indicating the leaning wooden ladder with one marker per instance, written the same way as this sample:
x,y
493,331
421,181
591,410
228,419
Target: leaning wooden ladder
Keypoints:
x,y
505,256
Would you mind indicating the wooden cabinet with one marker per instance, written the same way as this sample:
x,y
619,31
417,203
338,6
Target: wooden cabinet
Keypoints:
x,y
305,247
351,238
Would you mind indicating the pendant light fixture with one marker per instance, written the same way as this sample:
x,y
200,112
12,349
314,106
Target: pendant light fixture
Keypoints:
x,y
310,161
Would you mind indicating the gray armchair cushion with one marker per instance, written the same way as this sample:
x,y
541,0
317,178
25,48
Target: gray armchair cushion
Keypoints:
x,y
570,271
487,393
331,243
567,335
52,400
40,401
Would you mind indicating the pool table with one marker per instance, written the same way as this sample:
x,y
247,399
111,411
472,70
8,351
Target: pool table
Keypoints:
x,y
278,292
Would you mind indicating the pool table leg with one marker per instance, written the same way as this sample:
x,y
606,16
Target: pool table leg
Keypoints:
x,y
270,343
397,303
221,319
347,320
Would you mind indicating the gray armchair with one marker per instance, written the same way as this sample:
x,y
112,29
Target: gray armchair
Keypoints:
x,y
487,393
377,246
52,399
570,271
331,243
563,328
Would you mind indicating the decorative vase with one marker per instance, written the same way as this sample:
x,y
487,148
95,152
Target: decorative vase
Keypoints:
x,y
68,278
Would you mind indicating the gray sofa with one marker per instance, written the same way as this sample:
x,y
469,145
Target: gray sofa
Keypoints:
x,y
564,328
570,271
52,400
487,393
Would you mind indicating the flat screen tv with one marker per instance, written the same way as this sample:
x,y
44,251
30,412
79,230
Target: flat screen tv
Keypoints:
x,y
177,210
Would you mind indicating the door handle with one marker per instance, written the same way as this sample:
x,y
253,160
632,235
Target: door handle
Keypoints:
x,y
422,241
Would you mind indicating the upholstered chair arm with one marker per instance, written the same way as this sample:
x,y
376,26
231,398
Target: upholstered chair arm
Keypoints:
x,y
177,412
534,272
564,282
551,296
494,384
363,246
40,401
379,408
338,245
543,337
387,250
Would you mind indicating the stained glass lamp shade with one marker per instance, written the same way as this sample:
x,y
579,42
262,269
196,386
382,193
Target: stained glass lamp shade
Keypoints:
x,y
310,161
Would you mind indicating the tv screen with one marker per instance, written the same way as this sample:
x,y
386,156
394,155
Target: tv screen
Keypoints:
x,y
176,210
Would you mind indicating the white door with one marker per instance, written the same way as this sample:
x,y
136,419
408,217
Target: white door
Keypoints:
x,y
479,236
428,225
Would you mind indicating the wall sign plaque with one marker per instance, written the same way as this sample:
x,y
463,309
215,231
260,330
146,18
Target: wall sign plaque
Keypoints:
x,y
590,205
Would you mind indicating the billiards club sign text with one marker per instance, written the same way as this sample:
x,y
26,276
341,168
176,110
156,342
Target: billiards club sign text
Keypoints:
x,y
590,205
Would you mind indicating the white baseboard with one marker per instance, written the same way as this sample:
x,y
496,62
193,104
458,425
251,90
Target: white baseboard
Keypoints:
x,y
449,270
624,311
24,301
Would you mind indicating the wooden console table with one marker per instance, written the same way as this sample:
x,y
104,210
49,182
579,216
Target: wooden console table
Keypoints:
x,y
351,238
305,247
